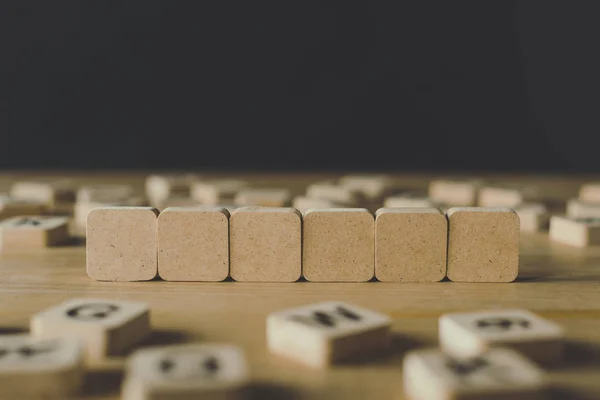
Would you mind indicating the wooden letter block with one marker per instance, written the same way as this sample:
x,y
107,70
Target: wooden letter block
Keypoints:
x,y
193,244
106,327
500,374
579,209
533,217
21,233
217,192
336,193
10,207
410,244
263,197
47,191
410,200
40,368
483,244
185,372
578,232
104,192
161,187
470,334
339,245
456,193
327,333
266,244
590,192
303,203
121,244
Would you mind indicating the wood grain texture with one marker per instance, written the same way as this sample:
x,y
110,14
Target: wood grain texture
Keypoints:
x,y
557,281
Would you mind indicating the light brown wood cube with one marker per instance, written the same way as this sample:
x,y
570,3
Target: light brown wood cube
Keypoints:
x,y
47,191
579,209
82,209
193,244
372,187
27,232
106,327
266,197
339,245
161,187
483,244
10,207
186,372
410,200
217,191
471,334
34,368
319,335
578,232
500,374
266,244
456,193
533,217
121,244
410,244
590,192
336,193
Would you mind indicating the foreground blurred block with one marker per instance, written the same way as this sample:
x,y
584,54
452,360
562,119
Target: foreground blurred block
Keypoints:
x,y
37,368
578,232
328,333
121,244
455,193
410,244
470,334
106,327
184,372
483,244
193,244
500,374
338,245
21,233
266,244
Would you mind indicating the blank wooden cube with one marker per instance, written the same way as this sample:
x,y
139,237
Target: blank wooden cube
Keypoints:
x,y
590,192
121,244
578,232
334,192
410,244
83,208
338,245
410,200
470,334
303,203
266,197
266,244
500,374
217,191
193,244
40,368
457,193
579,209
483,244
29,232
533,217
48,191
106,327
161,187
185,372
372,187
10,207
322,334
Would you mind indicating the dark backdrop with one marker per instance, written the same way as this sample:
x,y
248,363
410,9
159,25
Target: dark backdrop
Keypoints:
x,y
415,85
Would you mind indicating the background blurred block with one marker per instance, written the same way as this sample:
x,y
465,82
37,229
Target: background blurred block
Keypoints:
x,y
455,193
22,233
263,197
579,232
217,191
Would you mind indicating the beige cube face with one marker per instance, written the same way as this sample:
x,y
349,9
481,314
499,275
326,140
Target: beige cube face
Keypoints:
x,y
193,244
493,196
217,191
322,334
579,209
32,367
24,233
470,334
408,200
121,244
410,244
590,192
483,244
266,244
500,374
578,232
47,191
206,371
336,193
339,245
106,327
263,197
456,193
533,217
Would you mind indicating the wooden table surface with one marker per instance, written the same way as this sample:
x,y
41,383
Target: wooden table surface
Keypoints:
x,y
559,282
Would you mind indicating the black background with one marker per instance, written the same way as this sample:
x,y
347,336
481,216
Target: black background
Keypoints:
x,y
416,85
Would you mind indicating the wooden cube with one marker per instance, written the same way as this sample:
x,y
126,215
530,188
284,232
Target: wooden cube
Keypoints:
x,y
177,201
183,372
410,200
483,244
372,187
579,209
500,374
106,327
338,245
27,232
471,334
578,232
501,196
83,208
217,191
590,192
533,217
322,334
34,368
303,203
457,193
410,244
10,207
193,244
47,191
161,187
121,244
336,193
104,192
266,244
265,197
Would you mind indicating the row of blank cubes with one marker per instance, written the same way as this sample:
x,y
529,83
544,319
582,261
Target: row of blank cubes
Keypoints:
x,y
264,244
